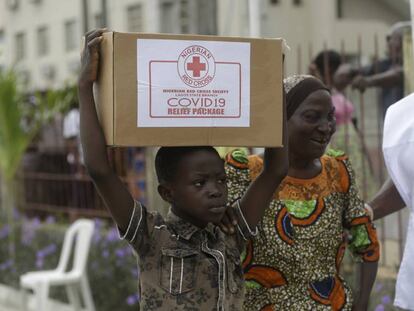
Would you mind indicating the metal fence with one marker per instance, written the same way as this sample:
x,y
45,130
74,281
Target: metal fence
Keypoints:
x,y
50,184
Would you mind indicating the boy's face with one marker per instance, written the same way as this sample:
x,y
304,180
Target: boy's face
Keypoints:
x,y
198,193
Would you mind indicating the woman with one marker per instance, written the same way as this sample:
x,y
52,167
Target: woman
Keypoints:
x,y
293,262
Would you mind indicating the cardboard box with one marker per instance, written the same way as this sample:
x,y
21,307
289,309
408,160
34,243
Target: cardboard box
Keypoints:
x,y
178,90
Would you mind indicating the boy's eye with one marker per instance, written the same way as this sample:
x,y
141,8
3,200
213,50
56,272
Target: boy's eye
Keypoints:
x,y
199,183
222,180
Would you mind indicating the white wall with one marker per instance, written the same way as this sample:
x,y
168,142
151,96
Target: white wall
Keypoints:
x,y
308,27
370,10
27,18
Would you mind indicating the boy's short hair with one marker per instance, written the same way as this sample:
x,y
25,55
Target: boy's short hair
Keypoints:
x,y
167,160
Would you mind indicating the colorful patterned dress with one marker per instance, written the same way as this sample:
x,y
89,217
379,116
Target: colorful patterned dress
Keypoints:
x,y
293,263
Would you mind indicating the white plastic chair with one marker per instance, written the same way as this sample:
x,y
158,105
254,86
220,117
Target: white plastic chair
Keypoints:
x,y
78,238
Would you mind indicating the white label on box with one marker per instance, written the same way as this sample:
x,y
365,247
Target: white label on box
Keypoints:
x,y
193,83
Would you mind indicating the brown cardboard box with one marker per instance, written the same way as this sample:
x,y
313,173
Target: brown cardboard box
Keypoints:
x,y
120,85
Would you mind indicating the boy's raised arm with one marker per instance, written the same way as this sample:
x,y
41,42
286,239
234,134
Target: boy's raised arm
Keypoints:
x,y
260,192
112,190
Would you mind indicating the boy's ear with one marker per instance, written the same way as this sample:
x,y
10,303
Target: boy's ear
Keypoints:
x,y
165,193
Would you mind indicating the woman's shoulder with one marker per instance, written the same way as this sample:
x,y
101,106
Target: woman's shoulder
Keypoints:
x,y
336,164
240,159
335,155
239,162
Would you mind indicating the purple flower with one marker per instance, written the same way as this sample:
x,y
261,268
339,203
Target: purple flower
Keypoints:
x,y
386,300
135,273
380,307
16,214
120,253
105,253
29,230
112,235
5,265
46,251
132,299
4,232
98,223
50,219
36,222
378,287
39,262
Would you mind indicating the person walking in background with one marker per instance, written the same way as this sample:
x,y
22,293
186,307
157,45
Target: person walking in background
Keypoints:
x,y
387,73
398,191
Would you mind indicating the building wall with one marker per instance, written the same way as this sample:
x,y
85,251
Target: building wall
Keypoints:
x,y
313,25
370,10
307,27
58,65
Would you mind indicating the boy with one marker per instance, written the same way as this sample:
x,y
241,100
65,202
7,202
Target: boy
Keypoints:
x,y
186,263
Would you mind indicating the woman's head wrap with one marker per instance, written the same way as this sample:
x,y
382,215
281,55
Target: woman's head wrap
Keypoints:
x,y
297,88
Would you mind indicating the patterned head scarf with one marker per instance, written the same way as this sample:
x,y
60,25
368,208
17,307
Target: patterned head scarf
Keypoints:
x,y
297,88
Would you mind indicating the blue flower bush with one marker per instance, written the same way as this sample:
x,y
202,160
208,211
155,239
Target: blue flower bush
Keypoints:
x,y
112,266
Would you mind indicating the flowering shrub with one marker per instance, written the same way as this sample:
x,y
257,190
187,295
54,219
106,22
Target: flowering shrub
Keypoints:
x,y
112,268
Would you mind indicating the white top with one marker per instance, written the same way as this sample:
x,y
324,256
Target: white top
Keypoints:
x,y
71,124
71,129
398,148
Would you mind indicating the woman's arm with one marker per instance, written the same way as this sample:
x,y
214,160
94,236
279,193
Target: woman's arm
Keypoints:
x,y
367,275
112,190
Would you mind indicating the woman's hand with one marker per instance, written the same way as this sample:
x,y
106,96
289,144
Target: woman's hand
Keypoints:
x,y
229,221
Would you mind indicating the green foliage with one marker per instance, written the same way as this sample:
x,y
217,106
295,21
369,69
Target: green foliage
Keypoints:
x,y
21,119
14,139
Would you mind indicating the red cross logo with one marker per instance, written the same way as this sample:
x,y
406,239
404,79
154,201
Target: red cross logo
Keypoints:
x,y
196,66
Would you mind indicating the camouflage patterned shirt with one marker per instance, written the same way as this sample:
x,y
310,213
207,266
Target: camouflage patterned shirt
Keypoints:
x,y
183,267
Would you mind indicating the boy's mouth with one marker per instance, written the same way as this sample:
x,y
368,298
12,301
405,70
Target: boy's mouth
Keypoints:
x,y
217,209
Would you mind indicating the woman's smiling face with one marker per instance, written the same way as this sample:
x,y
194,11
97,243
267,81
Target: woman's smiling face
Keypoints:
x,y
312,126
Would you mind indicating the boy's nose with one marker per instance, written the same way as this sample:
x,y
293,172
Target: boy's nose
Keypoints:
x,y
215,191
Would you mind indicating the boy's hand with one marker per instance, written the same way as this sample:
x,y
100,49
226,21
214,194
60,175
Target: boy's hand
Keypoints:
x,y
90,56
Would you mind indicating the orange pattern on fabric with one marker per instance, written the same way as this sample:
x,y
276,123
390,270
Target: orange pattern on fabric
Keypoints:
x,y
372,253
233,162
320,245
340,255
266,276
280,228
338,295
344,177
267,308
320,206
332,178
360,221
255,166
249,255
336,298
